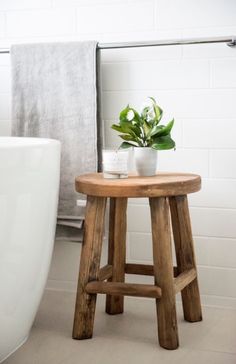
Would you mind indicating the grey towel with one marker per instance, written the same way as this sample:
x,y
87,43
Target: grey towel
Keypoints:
x,y
54,89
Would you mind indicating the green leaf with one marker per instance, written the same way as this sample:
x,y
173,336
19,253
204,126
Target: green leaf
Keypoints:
x,y
127,137
155,129
146,127
123,114
117,128
123,128
145,112
137,117
164,130
158,111
130,138
125,145
129,128
131,132
163,143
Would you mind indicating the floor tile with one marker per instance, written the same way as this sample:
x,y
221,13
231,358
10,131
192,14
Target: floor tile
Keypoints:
x,y
128,338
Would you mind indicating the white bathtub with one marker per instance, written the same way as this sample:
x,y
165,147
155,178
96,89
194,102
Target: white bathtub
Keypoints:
x,y
29,184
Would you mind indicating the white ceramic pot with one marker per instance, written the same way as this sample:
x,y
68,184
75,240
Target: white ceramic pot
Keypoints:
x,y
145,161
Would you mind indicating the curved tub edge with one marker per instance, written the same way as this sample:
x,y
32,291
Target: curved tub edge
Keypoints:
x,y
17,347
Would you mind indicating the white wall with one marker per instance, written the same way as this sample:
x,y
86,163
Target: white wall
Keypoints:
x,y
196,84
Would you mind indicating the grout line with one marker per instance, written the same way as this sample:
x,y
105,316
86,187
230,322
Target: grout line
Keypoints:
x,y
148,233
155,17
172,89
185,118
216,237
211,74
191,206
168,58
186,29
194,236
208,162
213,208
174,59
204,266
5,25
29,9
159,90
207,148
128,246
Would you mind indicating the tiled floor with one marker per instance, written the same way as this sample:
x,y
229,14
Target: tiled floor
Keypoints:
x,y
128,338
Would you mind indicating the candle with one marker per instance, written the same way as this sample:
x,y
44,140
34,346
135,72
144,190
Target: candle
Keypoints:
x,y
115,163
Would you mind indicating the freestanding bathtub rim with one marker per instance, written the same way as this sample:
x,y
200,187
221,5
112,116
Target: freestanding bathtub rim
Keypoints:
x,y
29,185
14,350
25,142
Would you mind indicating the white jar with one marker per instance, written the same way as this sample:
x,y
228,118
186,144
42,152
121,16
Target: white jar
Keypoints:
x,y
145,161
115,163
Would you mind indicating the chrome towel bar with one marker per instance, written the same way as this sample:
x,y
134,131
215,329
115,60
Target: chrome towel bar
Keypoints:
x,y
230,41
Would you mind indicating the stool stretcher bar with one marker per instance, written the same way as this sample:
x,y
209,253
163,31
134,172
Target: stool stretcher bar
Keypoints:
x,y
105,272
144,269
123,289
183,279
141,290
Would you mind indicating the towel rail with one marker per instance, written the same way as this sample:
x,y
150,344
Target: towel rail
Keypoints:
x,y
230,41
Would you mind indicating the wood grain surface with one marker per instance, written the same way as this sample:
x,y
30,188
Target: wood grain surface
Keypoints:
x,y
117,251
185,256
163,184
89,267
163,272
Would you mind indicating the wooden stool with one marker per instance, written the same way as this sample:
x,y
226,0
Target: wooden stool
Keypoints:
x,y
164,190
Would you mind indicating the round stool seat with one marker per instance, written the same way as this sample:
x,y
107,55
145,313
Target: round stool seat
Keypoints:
x,y
163,184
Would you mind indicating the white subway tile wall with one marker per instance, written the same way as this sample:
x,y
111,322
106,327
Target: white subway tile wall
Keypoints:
x,y
195,14
218,193
2,25
223,73
37,23
166,74
182,103
5,77
112,17
222,163
196,84
196,133
5,107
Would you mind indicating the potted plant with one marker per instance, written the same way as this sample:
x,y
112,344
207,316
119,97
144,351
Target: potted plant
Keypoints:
x,y
145,134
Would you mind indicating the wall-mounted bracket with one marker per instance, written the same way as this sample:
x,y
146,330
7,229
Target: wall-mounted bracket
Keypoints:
x,y
232,43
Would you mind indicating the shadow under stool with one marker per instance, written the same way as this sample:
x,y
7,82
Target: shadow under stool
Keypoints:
x,y
167,192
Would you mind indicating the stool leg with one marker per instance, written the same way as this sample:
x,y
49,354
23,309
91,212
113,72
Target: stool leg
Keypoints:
x,y
185,256
117,251
89,267
163,273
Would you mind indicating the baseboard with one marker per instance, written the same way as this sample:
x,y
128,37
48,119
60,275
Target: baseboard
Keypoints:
x,y
207,300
